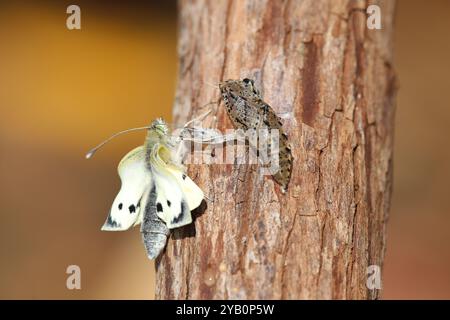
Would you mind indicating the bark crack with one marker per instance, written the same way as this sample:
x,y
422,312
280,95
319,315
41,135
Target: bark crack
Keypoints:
x,y
285,250
322,244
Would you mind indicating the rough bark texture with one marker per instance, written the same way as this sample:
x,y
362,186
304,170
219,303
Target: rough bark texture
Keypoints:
x,y
332,81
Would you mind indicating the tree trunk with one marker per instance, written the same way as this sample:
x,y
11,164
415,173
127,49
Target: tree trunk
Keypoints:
x,y
331,79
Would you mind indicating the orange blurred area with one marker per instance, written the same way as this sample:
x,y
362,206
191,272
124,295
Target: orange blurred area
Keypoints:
x,y
417,263
63,91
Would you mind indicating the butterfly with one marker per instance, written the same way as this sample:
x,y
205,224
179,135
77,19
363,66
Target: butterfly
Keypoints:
x,y
155,190
247,110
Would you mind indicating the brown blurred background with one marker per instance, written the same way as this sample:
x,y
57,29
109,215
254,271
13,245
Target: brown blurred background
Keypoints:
x,y
63,91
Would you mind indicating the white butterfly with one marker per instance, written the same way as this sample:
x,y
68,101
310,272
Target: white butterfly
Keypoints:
x,y
155,191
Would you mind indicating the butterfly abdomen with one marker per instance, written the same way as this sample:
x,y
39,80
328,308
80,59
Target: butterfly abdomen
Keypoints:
x,y
154,230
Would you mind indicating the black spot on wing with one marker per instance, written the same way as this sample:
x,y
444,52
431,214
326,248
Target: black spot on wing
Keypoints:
x,y
159,207
120,206
168,203
132,208
139,203
180,216
112,223
183,176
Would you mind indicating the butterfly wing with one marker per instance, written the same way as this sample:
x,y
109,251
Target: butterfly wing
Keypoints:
x,y
171,204
193,194
136,180
176,193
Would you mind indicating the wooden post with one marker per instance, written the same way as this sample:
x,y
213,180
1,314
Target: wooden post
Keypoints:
x,y
331,79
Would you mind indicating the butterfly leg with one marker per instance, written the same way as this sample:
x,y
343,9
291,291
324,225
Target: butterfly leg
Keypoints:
x,y
199,118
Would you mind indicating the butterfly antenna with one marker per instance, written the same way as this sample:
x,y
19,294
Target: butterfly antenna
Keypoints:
x,y
91,152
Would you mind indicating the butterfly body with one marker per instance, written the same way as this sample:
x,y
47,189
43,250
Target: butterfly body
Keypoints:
x,y
154,230
247,110
155,191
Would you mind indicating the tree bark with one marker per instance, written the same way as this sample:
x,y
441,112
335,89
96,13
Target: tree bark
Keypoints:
x,y
331,79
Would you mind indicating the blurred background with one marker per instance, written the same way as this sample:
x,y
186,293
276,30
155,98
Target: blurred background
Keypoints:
x,y
63,91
